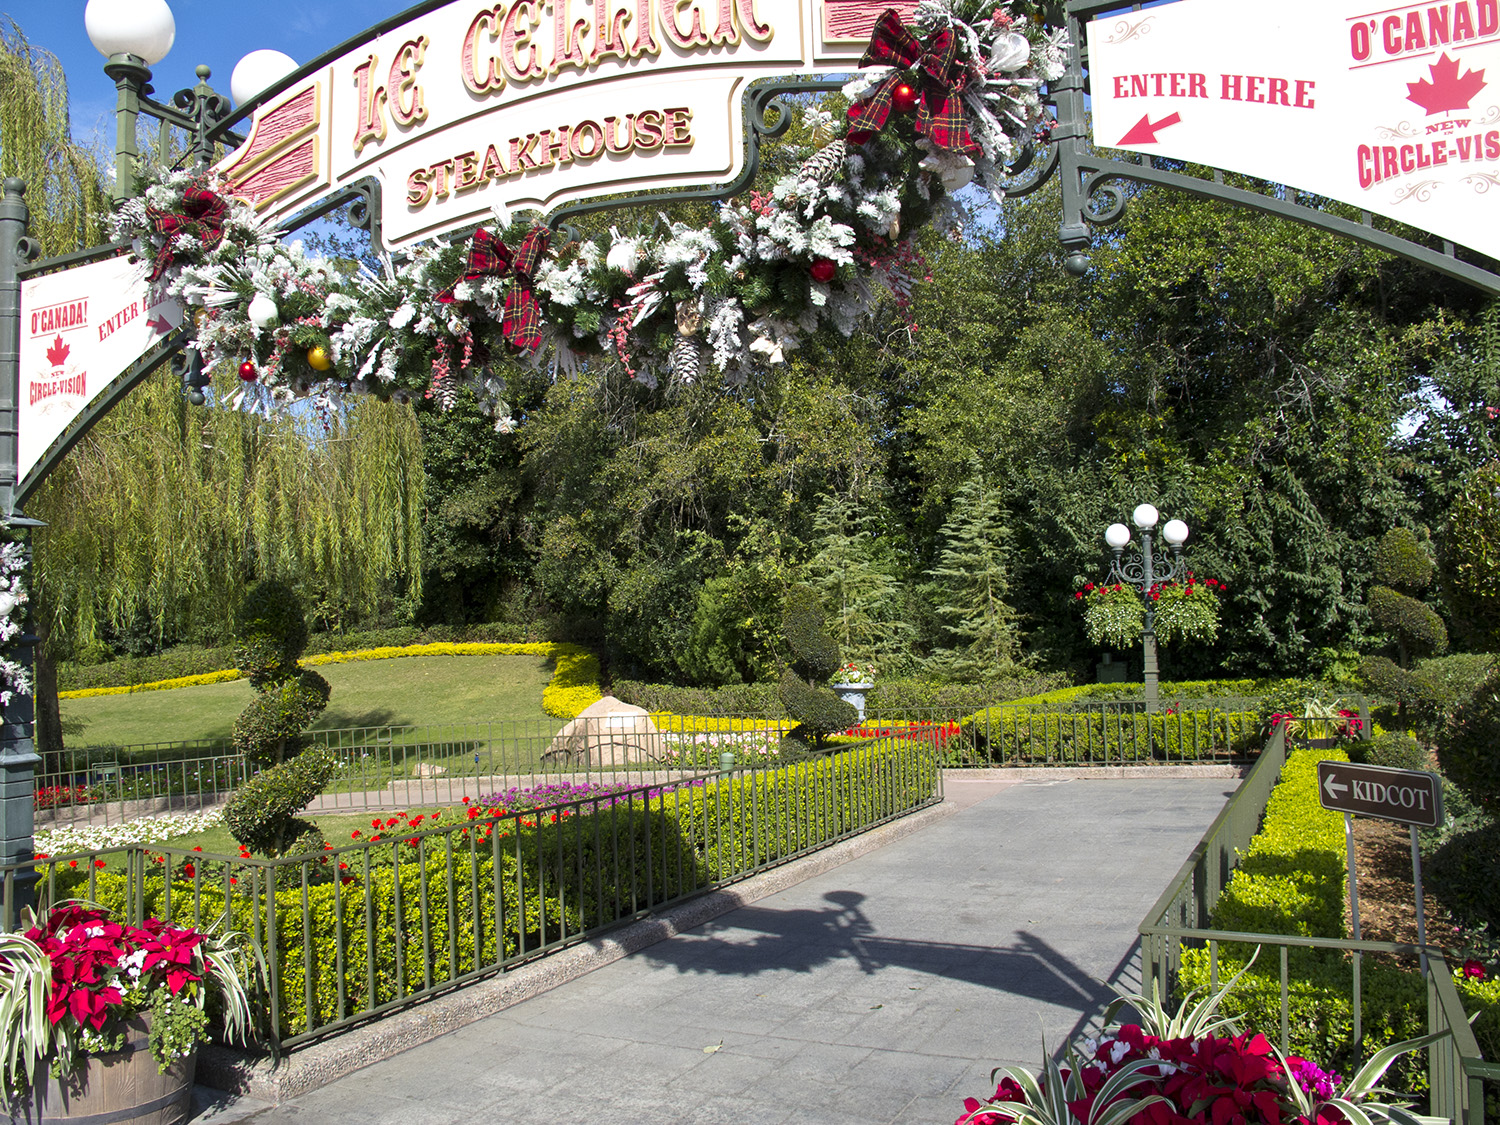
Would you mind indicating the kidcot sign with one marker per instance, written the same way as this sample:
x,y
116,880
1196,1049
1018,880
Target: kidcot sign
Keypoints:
x,y
1394,109
463,108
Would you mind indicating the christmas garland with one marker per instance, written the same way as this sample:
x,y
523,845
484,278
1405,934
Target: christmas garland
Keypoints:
x,y
948,100
15,679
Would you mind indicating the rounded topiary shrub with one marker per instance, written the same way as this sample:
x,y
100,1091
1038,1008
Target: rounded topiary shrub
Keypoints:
x,y
1469,748
1401,561
815,657
262,813
1416,624
1395,749
271,632
1464,873
270,729
815,653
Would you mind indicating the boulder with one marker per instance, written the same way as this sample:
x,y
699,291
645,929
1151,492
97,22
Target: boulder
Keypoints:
x,y
608,733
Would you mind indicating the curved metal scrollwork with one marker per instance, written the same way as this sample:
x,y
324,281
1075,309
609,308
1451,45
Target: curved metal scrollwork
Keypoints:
x,y
1104,198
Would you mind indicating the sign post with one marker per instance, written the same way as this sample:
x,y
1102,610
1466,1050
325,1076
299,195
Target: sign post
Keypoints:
x,y
1410,797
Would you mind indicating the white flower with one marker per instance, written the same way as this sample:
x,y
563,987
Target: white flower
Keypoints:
x,y
624,253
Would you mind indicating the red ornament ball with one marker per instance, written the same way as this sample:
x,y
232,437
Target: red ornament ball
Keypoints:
x,y
903,99
248,372
823,269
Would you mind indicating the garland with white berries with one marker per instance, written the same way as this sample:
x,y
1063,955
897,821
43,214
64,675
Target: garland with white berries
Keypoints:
x,y
948,100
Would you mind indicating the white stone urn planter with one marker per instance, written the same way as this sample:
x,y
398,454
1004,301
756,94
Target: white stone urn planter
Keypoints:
x,y
855,694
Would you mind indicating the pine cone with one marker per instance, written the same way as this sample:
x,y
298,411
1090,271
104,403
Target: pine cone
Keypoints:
x,y
827,164
687,360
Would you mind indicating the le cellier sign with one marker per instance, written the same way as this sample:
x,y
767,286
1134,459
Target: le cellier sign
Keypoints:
x,y
1393,108
468,106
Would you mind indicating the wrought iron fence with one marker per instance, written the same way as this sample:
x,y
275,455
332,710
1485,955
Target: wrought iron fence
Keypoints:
x,y
403,766
1180,920
421,904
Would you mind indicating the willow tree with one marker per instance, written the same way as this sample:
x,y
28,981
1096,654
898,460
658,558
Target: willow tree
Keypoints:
x,y
165,512
64,188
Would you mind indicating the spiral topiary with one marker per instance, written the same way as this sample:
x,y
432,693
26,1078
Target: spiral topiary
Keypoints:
x,y
815,658
261,814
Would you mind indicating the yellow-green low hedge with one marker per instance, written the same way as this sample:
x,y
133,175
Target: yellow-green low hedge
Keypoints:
x,y
574,684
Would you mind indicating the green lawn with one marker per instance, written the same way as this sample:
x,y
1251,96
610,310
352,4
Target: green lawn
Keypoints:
x,y
420,690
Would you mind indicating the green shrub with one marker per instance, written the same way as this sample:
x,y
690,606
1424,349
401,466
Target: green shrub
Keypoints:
x,y
1400,560
269,730
817,710
1469,748
1416,623
1395,749
815,653
271,632
759,700
1025,734
1465,874
261,813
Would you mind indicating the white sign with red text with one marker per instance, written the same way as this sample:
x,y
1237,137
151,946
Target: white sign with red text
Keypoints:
x,y
1393,108
529,104
80,330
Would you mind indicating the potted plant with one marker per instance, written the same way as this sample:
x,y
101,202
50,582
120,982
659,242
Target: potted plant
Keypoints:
x,y
99,1017
851,682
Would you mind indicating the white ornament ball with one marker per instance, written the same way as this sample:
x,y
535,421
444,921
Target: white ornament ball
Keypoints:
x,y
263,312
258,71
1010,52
7,603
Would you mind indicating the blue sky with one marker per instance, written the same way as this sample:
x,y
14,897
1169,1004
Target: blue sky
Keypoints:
x,y
216,32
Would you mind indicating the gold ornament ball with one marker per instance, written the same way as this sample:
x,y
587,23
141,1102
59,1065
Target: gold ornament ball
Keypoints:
x,y
317,359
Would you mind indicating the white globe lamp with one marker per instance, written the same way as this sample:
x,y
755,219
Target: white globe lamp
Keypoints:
x,y
143,28
1145,516
257,71
1175,532
1117,535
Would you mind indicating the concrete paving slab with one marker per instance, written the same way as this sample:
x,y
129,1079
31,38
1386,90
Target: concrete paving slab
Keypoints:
x,y
880,991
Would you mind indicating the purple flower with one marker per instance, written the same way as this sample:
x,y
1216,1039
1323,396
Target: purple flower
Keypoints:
x,y
1314,1079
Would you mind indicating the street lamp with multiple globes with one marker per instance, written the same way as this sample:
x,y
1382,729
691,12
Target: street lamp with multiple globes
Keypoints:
x,y
135,35
1144,574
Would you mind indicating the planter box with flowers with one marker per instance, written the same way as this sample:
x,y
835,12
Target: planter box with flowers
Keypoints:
x,y
1191,1067
103,1020
851,682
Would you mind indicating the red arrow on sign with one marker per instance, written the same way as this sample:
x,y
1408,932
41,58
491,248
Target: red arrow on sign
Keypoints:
x,y
159,323
1144,133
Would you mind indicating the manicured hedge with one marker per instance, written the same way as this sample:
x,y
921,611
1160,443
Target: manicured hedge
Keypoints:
x,y
1292,881
1026,734
577,873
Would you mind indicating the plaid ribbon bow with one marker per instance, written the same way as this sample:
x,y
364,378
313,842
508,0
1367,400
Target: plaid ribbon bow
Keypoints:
x,y
940,113
521,321
201,217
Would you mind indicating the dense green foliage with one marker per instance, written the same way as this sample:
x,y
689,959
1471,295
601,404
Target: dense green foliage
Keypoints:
x,y
1471,556
1469,749
1393,748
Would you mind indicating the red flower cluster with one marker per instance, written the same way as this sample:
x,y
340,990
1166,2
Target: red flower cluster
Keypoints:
x,y
938,734
95,959
1233,1080
60,796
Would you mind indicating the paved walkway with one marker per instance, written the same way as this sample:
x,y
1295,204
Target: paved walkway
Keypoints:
x,y
880,992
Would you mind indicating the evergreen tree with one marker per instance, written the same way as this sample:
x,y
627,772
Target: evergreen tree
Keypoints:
x,y
970,583
864,595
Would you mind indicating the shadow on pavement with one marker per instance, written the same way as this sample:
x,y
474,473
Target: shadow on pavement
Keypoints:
x,y
802,940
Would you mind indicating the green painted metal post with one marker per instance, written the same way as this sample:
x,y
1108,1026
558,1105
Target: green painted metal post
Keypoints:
x,y
131,75
18,757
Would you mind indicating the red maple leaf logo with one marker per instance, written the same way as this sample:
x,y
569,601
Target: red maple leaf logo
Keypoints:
x,y
57,354
1447,91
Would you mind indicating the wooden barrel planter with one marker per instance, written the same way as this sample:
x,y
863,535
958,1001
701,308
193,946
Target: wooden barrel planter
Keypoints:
x,y
124,1087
